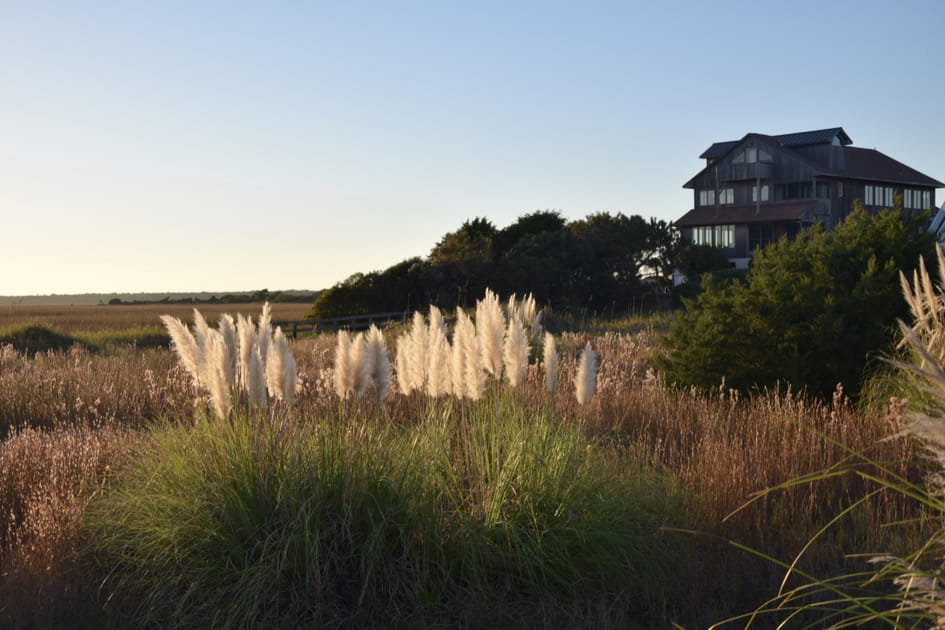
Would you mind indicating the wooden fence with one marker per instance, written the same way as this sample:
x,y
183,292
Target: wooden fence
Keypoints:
x,y
331,324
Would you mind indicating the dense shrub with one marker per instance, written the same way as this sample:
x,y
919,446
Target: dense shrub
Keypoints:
x,y
811,312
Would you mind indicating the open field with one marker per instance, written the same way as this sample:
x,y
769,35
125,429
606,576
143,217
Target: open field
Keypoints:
x,y
106,317
88,436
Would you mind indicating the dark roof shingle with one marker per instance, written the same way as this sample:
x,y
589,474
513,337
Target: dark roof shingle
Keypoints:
x,y
799,139
765,213
870,164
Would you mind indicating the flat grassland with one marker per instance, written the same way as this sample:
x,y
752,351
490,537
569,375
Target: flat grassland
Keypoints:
x,y
122,316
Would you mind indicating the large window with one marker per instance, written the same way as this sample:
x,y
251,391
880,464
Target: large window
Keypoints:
x,y
916,199
715,235
878,196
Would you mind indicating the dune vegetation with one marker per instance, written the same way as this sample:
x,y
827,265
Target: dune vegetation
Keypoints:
x,y
468,469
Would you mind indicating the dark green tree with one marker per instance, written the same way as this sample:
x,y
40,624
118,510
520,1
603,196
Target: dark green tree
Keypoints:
x,y
810,313
695,260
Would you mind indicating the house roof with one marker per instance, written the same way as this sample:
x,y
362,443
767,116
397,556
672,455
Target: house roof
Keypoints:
x,y
765,213
872,165
800,139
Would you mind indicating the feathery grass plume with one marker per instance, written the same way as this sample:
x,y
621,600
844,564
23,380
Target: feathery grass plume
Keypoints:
x,y
417,352
184,344
436,320
513,308
401,362
257,380
926,305
550,362
360,364
246,339
345,377
439,379
201,329
275,365
529,310
378,363
457,380
217,376
515,352
585,378
474,374
490,327
264,332
227,328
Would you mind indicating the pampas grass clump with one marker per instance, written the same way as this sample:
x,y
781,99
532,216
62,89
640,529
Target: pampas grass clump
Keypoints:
x,y
428,361
232,359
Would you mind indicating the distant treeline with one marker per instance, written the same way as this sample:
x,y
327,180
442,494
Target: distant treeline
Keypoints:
x,y
603,262
263,295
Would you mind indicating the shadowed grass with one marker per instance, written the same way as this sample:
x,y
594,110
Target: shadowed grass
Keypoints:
x,y
477,515
32,338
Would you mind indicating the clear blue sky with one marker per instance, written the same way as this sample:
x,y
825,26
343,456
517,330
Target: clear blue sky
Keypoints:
x,y
184,146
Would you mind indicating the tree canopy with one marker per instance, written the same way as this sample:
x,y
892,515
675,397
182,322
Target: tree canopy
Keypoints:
x,y
598,262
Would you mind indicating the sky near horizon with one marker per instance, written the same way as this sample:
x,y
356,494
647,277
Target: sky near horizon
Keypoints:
x,y
227,146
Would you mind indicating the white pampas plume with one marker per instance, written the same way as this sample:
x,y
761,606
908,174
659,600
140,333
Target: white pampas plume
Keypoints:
x,y
401,360
227,328
378,362
216,374
246,341
529,311
439,380
275,365
257,380
436,321
264,332
184,344
474,375
345,377
490,326
585,378
417,352
550,362
360,366
515,352
200,329
457,371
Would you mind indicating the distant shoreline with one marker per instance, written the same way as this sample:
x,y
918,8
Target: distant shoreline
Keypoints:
x,y
200,297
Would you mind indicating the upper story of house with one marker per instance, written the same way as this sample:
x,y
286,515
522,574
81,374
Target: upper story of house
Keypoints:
x,y
764,186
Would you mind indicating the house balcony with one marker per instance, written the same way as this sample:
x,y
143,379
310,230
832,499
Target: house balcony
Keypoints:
x,y
740,172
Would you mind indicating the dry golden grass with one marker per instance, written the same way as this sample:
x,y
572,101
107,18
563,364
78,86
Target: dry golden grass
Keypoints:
x,y
45,480
94,318
721,447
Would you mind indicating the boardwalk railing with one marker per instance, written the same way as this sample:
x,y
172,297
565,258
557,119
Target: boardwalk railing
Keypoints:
x,y
352,322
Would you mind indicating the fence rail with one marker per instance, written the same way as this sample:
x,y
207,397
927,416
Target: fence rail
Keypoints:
x,y
352,322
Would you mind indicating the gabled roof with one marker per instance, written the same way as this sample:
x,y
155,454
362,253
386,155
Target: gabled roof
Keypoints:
x,y
769,212
800,139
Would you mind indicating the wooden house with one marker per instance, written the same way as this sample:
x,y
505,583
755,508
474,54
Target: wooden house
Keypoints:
x,y
754,190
